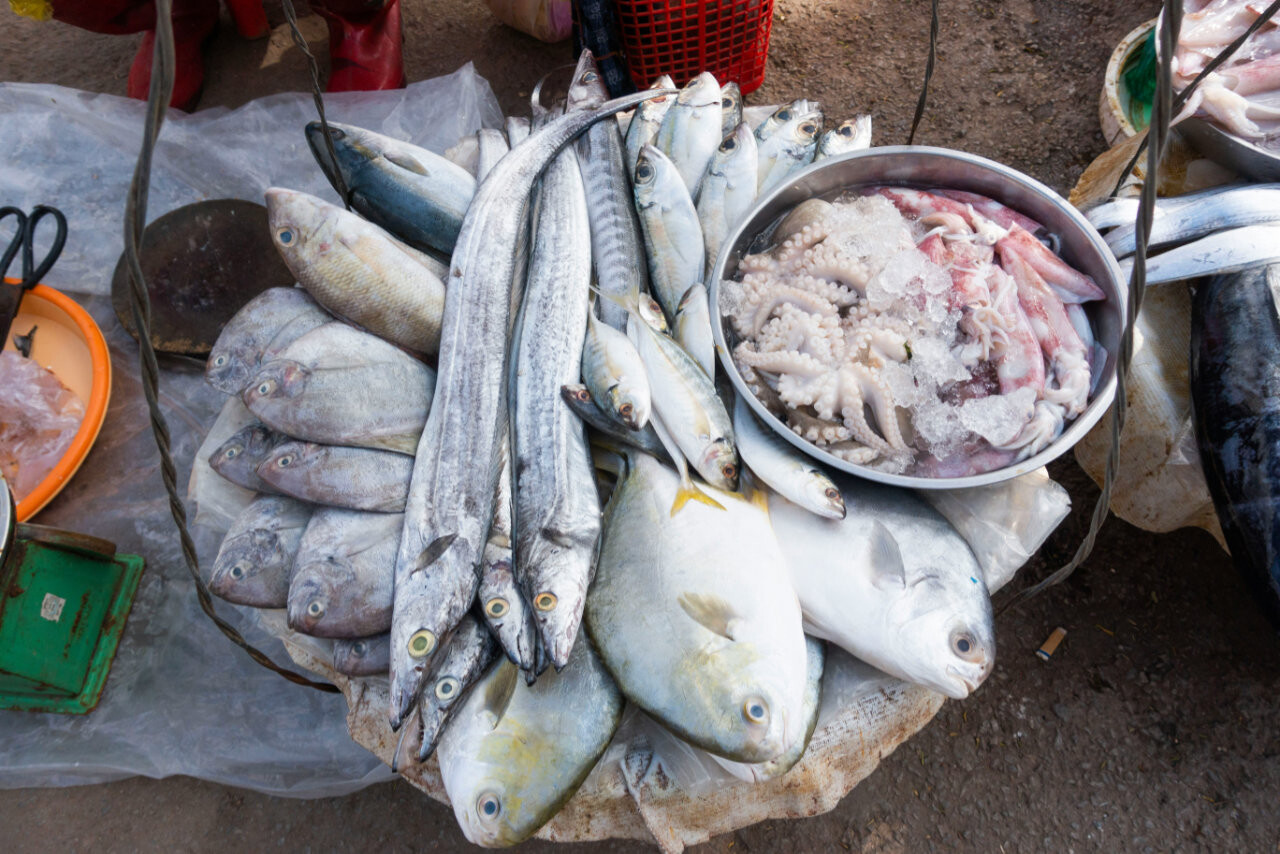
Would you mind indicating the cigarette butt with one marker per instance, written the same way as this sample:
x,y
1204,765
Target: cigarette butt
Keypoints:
x,y
1050,646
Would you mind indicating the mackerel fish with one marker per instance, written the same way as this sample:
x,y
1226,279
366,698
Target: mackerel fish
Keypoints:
x,y
728,191
692,328
613,372
783,468
730,108
690,130
851,135
645,123
672,235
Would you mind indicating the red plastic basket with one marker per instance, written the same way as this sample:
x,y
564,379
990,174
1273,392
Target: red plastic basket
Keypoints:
x,y
729,38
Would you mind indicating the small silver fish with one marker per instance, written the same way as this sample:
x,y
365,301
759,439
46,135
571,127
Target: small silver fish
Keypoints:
x,y
646,121
275,316
579,399
692,328
730,108
614,374
672,235
354,478
783,468
788,148
690,130
342,575
729,189
255,560
851,135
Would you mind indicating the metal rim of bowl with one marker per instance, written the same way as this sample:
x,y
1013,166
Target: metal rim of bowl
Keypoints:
x,y
730,250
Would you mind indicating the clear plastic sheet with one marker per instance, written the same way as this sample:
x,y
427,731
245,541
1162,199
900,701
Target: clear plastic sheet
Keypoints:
x,y
38,418
180,698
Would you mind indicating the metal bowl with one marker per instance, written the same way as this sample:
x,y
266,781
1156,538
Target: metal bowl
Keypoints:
x,y
1229,150
916,166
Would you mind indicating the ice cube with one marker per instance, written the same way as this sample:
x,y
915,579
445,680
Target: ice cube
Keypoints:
x,y
999,418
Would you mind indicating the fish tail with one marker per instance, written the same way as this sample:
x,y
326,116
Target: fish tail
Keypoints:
x,y
689,491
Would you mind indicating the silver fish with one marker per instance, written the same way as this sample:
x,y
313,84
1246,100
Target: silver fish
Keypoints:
x,y
339,386
851,135
788,148
517,130
450,505
237,458
412,192
729,189
692,328
1248,206
354,478
695,619
690,130
613,372
369,656
356,270
271,316
784,114
672,235
255,559
645,123
579,399
513,755
1225,252
493,147
730,108
468,654
341,584
505,611
617,248
783,468
557,511
893,584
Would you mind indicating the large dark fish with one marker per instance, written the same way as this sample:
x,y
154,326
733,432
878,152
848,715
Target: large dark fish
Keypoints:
x,y
1235,391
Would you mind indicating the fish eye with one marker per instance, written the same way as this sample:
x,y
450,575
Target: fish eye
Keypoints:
x,y
219,361
965,646
729,470
783,115
266,387
359,648
545,601
285,236
334,133
590,77
496,607
644,171
755,710
488,806
729,144
833,493
232,452
845,130
808,129
285,460
726,102
237,571
583,395
421,643
625,410
315,608
447,688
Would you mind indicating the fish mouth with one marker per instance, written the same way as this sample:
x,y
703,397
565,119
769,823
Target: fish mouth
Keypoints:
x,y
969,681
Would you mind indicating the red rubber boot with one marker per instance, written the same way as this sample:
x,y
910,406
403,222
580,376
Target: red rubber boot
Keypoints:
x,y
365,44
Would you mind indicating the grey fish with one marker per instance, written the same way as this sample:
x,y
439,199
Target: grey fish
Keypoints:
x,y
369,656
728,190
612,370
337,385
893,584
468,654
237,458
851,135
341,584
557,511
690,130
617,248
672,235
730,108
493,147
356,270
1124,211
788,148
513,755
645,123
256,557
1247,206
339,476
505,611
783,468
271,316
694,619
1224,252
692,328
450,504
578,397
414,193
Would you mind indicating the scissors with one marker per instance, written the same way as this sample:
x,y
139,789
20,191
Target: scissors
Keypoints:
x,y
23,241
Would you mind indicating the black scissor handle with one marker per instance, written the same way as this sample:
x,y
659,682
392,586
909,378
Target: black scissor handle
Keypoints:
x,y
16,242
31,277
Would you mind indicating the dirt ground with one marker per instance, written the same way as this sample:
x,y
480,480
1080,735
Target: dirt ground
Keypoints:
x,y
1152,729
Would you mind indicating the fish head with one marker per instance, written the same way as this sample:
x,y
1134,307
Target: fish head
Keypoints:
x,y
731,98
587,88
349,655
731,147
229,365
824,494
701,91
315,600
300,223
351,145
720,460
646,178
651,313
754,720
804,132
420,626
946,637
277,382
290,461
630,402
557,591
252,569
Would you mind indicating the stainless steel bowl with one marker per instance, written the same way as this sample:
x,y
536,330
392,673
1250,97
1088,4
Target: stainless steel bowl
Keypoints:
x,y
916,166
1229,150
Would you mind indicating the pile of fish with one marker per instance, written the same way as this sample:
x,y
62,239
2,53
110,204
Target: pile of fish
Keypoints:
x,y
463,458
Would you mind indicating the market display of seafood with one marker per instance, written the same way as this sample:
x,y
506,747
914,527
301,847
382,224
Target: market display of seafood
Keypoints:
x,y
510,488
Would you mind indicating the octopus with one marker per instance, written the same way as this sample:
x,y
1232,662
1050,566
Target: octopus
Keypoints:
x,y
926,332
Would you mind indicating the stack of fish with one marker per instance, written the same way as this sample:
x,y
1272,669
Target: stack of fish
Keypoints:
x,y
445,524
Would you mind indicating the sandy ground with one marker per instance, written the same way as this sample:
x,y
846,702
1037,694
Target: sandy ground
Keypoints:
x,y
1152,729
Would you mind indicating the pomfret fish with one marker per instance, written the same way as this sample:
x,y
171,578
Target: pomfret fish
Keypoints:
x,y
690,130
692,328
851,135
341,584
339,386
237,458
450,504
614,374
893,584
672,235
414,193
468,654
695,619
255,560
513,754
784,469
645,123
789,148
274,317
356,270
339,476
729,189
369,656
730,108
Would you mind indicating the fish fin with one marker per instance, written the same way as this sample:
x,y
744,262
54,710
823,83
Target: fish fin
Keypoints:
x,y
499,690
404,161
432,552
887,566
689,491
711,612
